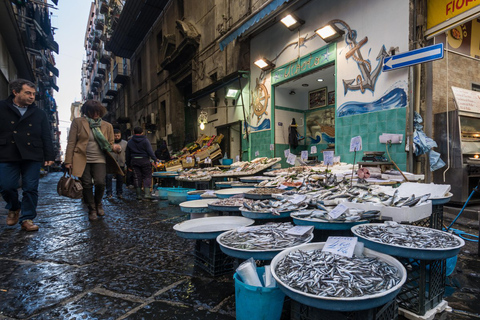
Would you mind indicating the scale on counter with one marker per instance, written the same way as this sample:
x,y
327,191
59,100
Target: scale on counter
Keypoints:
x,y
374,156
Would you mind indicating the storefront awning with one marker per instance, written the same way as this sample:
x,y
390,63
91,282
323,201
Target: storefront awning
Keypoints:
x,y
236,32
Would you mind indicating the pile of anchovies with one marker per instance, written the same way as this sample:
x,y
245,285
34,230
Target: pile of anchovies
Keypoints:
x,y
265,191
231,202
330,275
407,236
270,236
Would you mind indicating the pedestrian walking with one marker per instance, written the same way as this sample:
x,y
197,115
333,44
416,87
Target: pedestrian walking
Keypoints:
x,y
120,158
25,145
90,142
138,155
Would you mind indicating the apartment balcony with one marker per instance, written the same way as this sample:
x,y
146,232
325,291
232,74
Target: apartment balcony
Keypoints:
x,y
103,7
121,73
101,68
96,85
105,56
107,99
112,89
100,22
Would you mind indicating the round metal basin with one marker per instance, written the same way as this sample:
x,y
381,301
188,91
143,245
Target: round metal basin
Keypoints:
x,y
227,193
335,303
326,225
209,228
247,254
268,215
408,252
196,206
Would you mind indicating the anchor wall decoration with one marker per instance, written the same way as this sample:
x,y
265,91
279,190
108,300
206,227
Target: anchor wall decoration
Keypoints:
x,y
367,79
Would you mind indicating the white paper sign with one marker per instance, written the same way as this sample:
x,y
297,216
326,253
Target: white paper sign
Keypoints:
x,y
189,160
208,160
356,144
337,211
257,153
237,158
343,246
286,153
272,147
282,187
298,198
336,159
313,149
304,155
467,100
291,159
300,230
328,158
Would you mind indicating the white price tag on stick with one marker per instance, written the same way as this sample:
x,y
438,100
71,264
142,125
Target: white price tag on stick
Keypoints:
x,y
313,149
272,147
286,152
257,153
337,211
189,160
356,144
328,158
304,155
343,246
291,159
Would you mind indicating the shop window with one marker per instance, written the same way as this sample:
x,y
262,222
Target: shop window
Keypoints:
x,y
476,86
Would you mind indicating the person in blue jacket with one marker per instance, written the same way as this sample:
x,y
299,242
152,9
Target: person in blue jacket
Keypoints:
x,y
138,155
26,144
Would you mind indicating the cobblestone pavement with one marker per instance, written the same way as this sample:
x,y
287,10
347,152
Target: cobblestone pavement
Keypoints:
x,y
131,265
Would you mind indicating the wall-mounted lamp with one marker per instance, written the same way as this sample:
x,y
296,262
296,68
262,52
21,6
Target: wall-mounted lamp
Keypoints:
x,y
292,22
292,93
329,32
203,119
264,64
232,93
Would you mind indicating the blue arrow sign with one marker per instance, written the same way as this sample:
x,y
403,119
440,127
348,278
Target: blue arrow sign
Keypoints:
x,y
413,57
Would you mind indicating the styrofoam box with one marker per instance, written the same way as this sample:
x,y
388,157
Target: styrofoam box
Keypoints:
x,y
398,214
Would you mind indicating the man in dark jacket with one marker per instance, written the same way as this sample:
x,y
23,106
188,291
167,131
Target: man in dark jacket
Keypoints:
x,y
138,155
25,145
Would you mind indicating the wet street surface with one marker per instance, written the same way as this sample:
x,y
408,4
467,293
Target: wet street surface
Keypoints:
x,y
130,264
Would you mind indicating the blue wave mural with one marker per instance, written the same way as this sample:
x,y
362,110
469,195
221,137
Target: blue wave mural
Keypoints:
x,y
395,98
262,126
325,138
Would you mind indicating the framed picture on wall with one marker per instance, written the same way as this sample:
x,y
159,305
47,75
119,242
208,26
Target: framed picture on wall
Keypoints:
x,y
317,98
331,97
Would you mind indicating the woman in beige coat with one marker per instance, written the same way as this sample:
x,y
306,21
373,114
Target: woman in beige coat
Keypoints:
x,y
89,141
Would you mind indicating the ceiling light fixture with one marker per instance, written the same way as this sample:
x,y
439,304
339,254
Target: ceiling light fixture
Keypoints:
x,y
203,119
319,79
292,22
329,32
304,84
264,64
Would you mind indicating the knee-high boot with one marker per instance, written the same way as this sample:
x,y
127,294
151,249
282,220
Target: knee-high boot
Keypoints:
x,y
99,192
90,201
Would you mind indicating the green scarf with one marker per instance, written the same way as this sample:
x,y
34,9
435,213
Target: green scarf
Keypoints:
x,y
98,135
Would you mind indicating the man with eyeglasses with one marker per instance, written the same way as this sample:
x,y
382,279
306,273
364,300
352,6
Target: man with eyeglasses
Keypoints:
x,y
25,145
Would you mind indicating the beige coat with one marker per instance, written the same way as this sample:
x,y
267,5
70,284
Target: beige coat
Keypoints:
x,y
76,153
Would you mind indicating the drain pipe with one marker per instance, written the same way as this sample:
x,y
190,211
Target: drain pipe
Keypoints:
x,y
410,121
448,122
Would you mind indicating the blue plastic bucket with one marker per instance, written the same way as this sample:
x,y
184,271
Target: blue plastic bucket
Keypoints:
x,y
451,263
193,197
163,193
257,302
178,195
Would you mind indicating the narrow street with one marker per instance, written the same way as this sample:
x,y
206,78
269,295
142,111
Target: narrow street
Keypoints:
x,y
131,265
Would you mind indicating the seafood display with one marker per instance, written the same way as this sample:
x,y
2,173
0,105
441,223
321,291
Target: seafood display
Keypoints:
x,y
325,274
407,236
231,202
270,236
204,174
349,215
265,191
246,168
274,207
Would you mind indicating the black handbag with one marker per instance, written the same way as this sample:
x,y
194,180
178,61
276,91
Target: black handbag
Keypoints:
x,y
69,186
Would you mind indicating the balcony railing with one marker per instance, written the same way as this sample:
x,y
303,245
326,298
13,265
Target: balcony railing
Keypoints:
x,y
121,73
101,68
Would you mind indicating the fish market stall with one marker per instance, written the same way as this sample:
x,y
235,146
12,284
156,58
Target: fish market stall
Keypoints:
x,y
271,209
260,242
197,208
329,281
231,204
263,193
423,252
230,192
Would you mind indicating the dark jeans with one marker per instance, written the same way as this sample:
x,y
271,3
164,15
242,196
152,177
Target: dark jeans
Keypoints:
x,y
10,173
142,172
94,175
118,184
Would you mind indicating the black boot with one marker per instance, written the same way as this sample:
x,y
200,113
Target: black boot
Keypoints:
x,y
90,201
99,191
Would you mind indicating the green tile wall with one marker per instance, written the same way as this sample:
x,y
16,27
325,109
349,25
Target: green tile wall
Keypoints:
x,y
370,126
259,141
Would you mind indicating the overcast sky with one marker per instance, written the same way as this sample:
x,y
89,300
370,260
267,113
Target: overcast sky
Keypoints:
x,y
71,21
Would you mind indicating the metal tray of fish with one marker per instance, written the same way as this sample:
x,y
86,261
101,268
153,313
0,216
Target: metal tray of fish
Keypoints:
x,y
426,246
209,228
229,192
224,208
338,303
254,196
326,225
196,206
266,254
267,214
